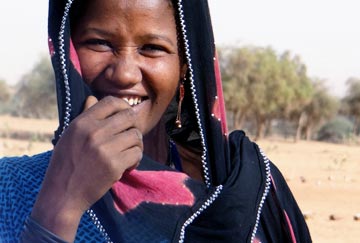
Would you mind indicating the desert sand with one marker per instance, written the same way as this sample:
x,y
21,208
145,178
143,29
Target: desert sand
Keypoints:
x,y
323,177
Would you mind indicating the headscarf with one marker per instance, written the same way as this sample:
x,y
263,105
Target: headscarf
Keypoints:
x,y
155,203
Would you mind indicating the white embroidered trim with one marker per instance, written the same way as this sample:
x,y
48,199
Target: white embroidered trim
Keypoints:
x,y
203,142
193,92
63,66
263,198
208,202
98,225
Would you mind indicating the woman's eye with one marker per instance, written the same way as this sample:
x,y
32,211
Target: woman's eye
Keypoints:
x,y
98,45
153,49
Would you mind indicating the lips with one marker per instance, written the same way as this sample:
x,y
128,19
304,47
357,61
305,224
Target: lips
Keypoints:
x,y
133,100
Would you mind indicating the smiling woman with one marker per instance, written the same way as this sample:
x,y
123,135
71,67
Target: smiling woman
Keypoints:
x,y
142,152
120,59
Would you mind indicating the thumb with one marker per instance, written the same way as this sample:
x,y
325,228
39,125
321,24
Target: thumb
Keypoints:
x,y
90,101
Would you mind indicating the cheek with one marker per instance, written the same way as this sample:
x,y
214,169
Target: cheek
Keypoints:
x,y
166,88
167,77
91,66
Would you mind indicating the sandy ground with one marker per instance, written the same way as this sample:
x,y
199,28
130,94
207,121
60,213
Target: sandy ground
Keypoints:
x,y
325,181
8,123
323,177
13,147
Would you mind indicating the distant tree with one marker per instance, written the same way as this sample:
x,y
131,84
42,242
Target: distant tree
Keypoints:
x,y
294,90
299,89
4,91
322,107
266,89
236,65
351,103
4,96
260,85
35,95
250,84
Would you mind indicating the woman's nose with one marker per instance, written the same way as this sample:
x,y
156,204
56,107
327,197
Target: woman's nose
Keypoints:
x,y
124,71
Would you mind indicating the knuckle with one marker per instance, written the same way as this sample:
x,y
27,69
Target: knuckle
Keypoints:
x,y
136,154
78,127
77,123
114,170
139,154
110,101
104,160
101,151
137,134
130,114
92,137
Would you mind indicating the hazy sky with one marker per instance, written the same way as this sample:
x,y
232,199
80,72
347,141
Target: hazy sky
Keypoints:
x,y
325,33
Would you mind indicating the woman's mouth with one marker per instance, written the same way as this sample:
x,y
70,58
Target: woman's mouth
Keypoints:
x,y
134,100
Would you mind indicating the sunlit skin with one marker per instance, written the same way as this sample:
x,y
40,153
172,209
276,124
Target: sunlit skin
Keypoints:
x,y
133,55
128,53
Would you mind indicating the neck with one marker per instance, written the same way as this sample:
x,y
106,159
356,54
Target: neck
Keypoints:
x,y
156,144
191,161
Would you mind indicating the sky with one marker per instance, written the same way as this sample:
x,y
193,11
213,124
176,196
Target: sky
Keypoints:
x,y
324,33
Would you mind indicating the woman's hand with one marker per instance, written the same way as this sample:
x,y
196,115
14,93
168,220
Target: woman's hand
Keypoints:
x,y
92,154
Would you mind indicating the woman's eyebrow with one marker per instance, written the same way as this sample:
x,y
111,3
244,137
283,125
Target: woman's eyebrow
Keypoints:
x,y
158,37
98,31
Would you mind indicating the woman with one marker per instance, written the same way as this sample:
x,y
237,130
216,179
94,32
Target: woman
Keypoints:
x,y
138,82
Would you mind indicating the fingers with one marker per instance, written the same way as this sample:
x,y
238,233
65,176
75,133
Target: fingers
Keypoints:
x,y
133,157
107,107
94,152
117,144
119,153
119,122
133,138
105,118
90,101
108,128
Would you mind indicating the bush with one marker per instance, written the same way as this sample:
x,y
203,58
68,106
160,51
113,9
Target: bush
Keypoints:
x,y
337,130
35,96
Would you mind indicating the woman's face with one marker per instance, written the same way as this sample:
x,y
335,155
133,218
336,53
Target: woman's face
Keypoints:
x,y
129,49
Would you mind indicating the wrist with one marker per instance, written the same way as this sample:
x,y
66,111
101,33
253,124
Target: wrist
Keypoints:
x,y
34,232
57,212
61,221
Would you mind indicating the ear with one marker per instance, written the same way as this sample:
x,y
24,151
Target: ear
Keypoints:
x,y
183,71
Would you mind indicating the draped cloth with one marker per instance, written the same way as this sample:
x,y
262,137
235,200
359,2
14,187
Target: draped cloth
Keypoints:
x,y
243,197
156,202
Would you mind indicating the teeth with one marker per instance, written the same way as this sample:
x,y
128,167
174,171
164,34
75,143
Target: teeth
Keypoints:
x,y
132,101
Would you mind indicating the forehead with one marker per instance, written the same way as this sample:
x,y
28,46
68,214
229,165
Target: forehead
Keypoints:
x,y
134,15
139,3
80,7
111,11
